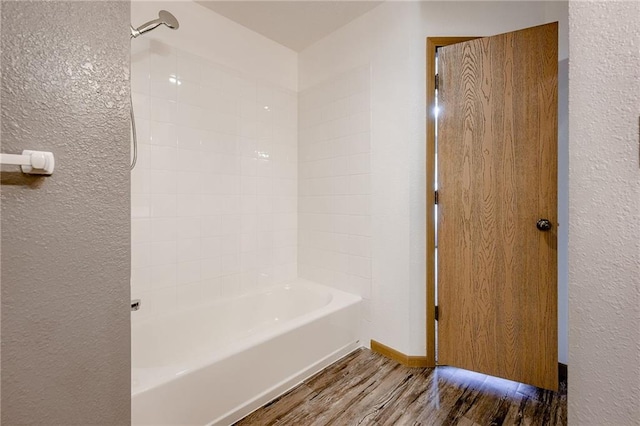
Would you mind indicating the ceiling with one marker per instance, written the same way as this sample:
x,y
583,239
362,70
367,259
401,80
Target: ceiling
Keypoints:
x,y
295,24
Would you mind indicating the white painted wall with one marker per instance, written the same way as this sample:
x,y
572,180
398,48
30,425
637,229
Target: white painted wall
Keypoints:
x,y
604,188
391,38
214,193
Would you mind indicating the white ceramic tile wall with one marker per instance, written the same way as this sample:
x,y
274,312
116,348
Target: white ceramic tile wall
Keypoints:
x,y
334,203
214,193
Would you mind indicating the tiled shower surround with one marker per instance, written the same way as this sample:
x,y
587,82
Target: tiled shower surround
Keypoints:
x,y
214,192
335,183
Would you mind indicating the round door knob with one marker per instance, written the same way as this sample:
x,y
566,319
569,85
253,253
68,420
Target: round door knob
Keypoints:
x,y
543,224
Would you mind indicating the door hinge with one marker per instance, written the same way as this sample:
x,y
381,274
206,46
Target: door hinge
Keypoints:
x,y
437,81
437,198
437,313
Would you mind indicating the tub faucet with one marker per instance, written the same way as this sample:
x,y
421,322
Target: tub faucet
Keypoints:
x,y
135,304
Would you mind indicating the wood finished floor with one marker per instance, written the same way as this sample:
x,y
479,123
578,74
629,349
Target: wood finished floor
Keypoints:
x,y
365,388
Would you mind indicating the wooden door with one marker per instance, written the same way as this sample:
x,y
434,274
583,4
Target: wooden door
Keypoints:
x,y
497,176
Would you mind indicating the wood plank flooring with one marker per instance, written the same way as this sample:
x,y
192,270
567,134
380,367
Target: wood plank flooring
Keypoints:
x,y
365,388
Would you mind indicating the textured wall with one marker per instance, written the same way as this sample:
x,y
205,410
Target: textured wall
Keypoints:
x,y
604,232
65,238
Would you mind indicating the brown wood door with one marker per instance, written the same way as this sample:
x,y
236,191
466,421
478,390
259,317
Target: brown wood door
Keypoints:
x,y
497,176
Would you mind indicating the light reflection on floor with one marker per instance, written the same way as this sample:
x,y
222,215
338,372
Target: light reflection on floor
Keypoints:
x,y
489,385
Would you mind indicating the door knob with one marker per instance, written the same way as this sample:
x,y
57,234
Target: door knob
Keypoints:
x,y
543,224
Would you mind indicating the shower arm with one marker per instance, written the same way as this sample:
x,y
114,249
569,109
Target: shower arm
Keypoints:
x,y
135,32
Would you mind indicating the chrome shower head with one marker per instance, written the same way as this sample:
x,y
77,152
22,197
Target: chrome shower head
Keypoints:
x,y
164,18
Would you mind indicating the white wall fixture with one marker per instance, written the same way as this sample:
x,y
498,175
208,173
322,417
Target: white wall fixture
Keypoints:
x,y
31,162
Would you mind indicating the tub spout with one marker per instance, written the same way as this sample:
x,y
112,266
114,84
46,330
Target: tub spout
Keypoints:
x,y
135,304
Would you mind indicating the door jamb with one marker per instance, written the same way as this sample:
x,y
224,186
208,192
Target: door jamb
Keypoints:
x,y
432,44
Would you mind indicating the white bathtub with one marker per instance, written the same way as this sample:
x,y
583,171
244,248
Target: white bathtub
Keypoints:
x,y
217,363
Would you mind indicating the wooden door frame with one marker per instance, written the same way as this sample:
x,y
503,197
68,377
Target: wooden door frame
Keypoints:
x,y
432,44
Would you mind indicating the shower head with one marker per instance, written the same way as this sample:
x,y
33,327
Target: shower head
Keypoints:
x,y
164,17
